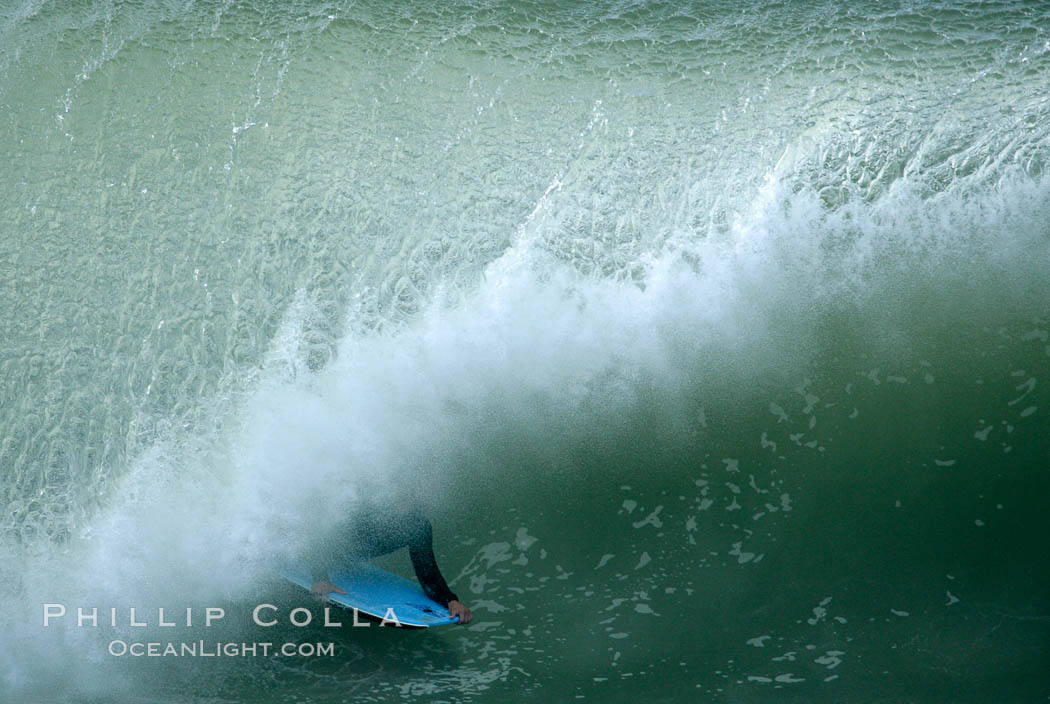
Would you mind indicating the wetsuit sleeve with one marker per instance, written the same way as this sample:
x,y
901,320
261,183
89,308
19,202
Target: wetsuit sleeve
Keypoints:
x,y
421,550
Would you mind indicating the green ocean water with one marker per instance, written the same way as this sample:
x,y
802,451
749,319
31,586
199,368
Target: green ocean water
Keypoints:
x,y
714,338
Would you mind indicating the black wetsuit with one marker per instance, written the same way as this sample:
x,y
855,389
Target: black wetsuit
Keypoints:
x,y
372,532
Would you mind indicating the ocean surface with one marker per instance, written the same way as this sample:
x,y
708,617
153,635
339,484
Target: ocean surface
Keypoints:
x,y
714,338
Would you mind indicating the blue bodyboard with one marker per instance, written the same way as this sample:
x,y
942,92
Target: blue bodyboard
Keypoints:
x,y
376,592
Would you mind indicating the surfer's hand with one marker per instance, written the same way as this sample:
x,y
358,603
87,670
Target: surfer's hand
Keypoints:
x,y
322,589
457,609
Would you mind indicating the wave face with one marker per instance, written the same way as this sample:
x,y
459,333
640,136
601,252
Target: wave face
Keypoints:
x,y
715,341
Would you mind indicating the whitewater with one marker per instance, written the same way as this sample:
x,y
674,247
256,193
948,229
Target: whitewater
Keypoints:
x,y
713,338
